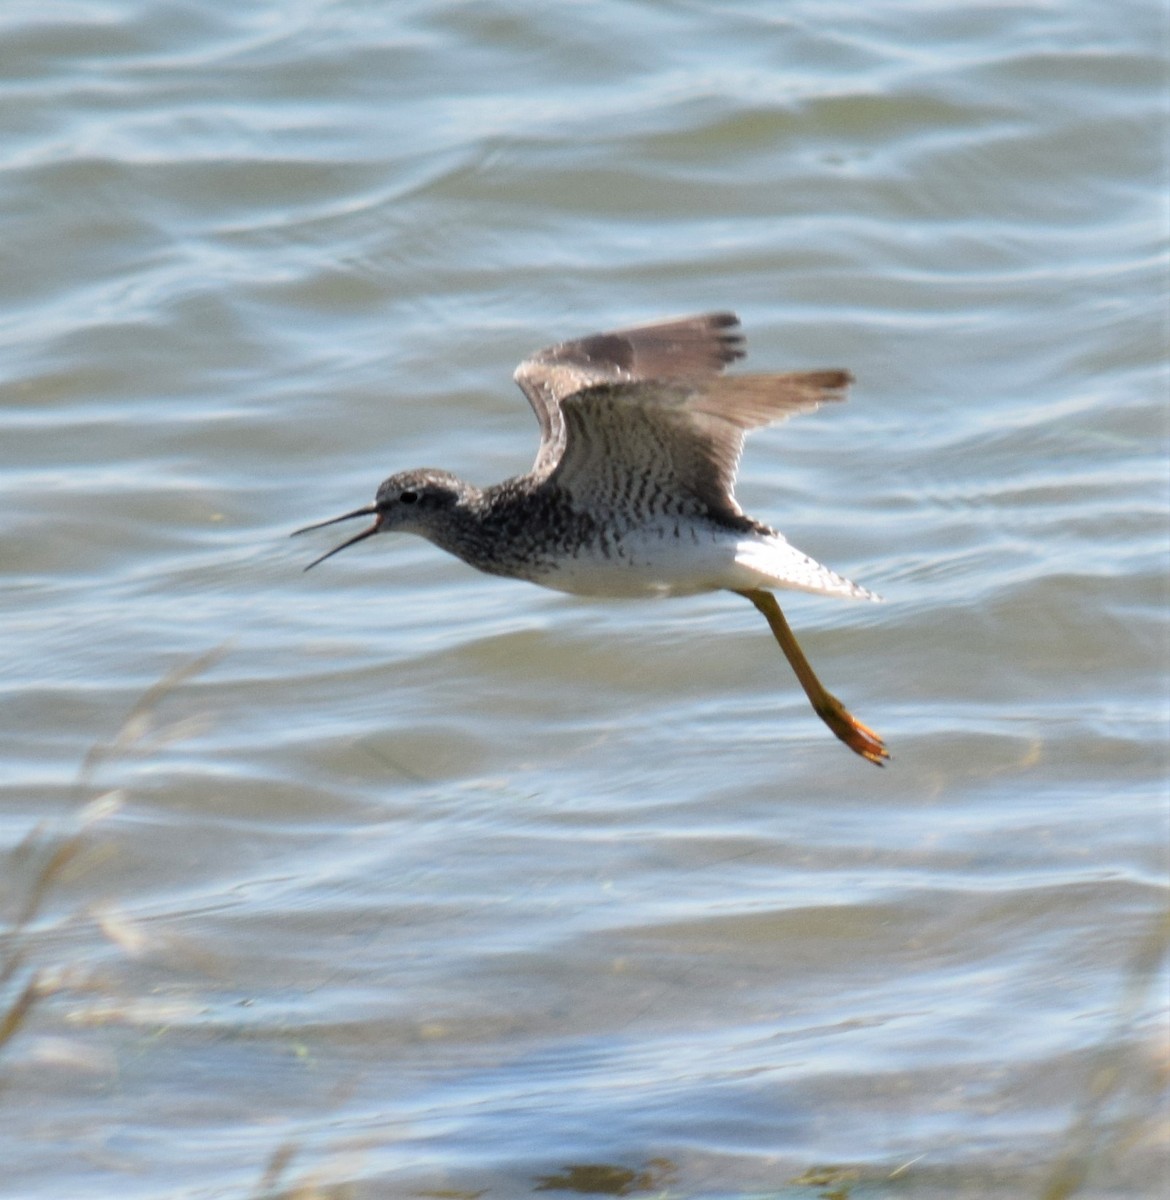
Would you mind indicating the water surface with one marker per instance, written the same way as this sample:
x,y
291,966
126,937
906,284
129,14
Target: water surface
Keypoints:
x,y
438,883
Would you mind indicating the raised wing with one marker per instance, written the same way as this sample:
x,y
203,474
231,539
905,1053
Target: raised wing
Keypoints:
x,y
684,348
674,446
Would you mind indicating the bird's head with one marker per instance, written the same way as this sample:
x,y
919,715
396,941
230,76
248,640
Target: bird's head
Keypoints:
x,y
409,502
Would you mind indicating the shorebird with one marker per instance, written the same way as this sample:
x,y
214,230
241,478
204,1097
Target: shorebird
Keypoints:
x,y
632,491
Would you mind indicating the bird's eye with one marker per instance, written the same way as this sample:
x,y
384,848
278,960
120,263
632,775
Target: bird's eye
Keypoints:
x,y
408,497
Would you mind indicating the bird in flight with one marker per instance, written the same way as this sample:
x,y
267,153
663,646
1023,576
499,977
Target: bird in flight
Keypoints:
x,y
632,491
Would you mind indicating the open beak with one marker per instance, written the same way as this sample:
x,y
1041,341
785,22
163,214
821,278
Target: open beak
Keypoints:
x,y
371,510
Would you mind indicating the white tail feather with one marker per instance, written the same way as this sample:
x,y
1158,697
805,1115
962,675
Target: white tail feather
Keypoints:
x,y
779,565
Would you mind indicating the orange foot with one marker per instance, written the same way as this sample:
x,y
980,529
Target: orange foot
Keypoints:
x,y
858,737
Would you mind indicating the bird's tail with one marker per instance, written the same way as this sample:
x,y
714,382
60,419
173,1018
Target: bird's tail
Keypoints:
x,y
776,564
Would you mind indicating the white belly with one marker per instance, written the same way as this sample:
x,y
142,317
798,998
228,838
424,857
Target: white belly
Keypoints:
x,y
670,560
653,561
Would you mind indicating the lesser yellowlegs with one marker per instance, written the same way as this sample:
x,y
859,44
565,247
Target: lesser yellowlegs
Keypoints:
x,y
631,493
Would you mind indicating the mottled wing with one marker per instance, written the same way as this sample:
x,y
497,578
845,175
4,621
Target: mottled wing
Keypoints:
x,y
691,348
674,446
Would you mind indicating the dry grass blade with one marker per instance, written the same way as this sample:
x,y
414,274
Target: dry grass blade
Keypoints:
x,y
44,857
139,721
42,882
1088,1136
275,1168
13,1017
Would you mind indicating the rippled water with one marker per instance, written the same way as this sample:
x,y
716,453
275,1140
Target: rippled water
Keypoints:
x,y
442,884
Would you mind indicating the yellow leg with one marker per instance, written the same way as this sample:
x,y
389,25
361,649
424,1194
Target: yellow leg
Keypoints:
x,y
858,737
